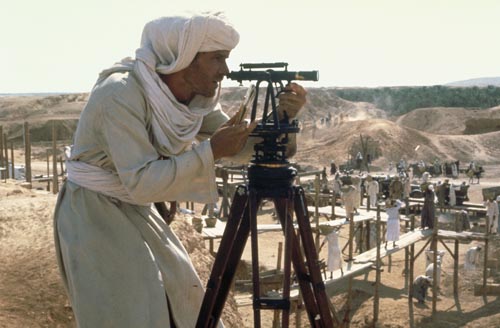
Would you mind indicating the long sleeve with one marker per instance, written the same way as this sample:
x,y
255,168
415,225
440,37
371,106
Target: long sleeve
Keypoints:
x,y
115,133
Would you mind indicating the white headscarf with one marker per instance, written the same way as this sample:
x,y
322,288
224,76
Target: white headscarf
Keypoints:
x,y
168,45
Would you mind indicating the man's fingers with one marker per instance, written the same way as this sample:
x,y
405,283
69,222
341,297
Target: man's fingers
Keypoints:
x,y
251,126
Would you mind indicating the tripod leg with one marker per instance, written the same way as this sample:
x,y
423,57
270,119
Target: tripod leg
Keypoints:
x,y
298,261
253,205
287,270
224,267
312,260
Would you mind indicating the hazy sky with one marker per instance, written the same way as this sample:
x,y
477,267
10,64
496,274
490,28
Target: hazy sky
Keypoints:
x,y
62,45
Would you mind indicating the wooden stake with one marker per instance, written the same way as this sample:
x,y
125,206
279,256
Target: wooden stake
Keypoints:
x,y
411,269
6,149
434,272
1,147
27,152
55,182
485,269
12,160
347,315
316,210
377,273
48,169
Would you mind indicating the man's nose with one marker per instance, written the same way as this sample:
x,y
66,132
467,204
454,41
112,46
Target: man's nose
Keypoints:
x,y
224,69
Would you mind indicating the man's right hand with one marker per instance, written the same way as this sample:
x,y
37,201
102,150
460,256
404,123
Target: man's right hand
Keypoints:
x,y
229,139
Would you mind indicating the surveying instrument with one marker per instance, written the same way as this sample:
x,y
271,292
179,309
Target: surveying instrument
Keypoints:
x,y
270,176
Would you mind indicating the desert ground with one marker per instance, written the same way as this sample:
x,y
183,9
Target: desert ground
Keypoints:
x,y
32,294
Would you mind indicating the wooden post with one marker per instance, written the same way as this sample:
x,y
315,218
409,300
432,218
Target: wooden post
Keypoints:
x,y
411,273
334,204
316,210
6,149
407,252
361,235
377,273
455,259
351,235
276,318
12,160
225,196
27,152
455,270
280,252
434,272
407,206
485,269
368,233
48,169
62,167
347,315
1,148
55,182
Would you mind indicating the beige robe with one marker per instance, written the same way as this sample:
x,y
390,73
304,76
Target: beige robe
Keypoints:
x,y
120,262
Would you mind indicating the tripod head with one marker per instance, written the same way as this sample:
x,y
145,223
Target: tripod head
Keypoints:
x,y
274,132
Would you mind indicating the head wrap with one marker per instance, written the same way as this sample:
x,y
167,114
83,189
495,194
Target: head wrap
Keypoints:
x,y
168,45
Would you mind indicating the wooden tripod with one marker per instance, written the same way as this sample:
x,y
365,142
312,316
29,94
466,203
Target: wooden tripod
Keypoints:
x,y
243,220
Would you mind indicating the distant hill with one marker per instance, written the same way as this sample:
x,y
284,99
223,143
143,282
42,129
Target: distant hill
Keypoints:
x,y
478,82
448,133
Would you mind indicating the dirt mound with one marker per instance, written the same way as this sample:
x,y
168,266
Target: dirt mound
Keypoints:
x,y
385,140
445,133
321,102
32,293
388,141
452,121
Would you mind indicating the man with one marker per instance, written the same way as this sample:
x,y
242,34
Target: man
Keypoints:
x,y
428,213
359,161
372,190
333,168
420,286
396,188
392,207
120,262
472,258
492,214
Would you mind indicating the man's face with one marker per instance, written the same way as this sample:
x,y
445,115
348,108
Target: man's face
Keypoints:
x,y
206,71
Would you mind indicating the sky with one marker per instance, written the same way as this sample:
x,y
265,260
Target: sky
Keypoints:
x,y
62,45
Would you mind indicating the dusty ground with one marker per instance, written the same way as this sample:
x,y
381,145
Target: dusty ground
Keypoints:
x,y
32,295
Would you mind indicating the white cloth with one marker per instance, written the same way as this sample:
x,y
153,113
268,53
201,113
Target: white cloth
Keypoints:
x,y
372,189
168,45
454,171
393,228
334,261
95,178
429,272
349,197
453,196
492,213
336,186
120,262
472,258
429,256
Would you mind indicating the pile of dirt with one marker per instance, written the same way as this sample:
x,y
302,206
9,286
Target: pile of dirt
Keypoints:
x,y
449,134
452,121
32,293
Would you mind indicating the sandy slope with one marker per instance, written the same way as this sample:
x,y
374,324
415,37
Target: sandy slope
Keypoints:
x,y
31,293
